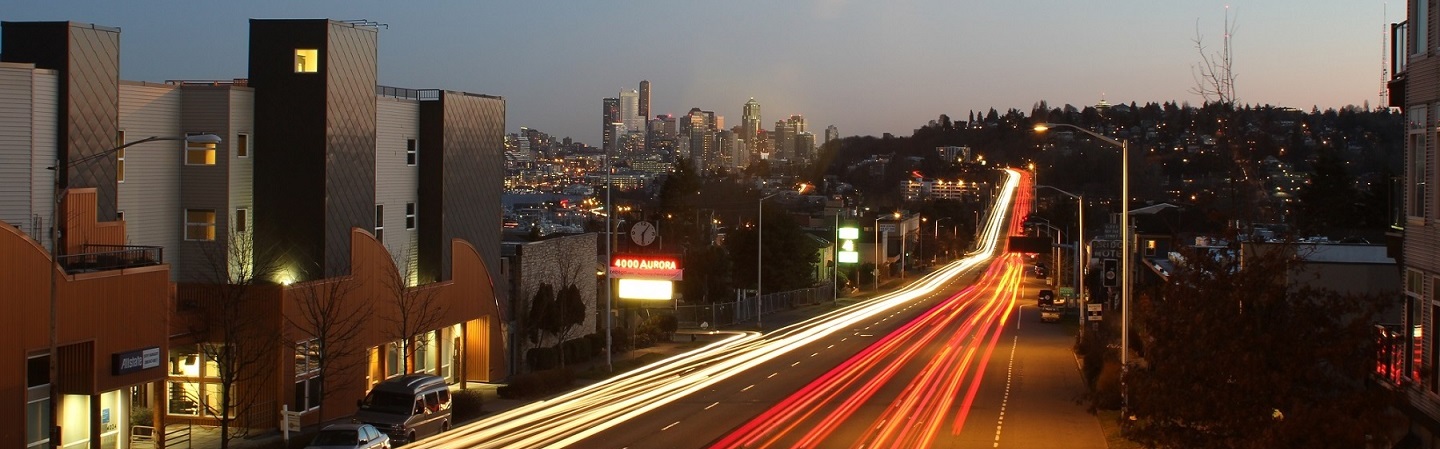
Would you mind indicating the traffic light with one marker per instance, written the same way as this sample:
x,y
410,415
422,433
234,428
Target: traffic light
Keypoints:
x,y
1110,273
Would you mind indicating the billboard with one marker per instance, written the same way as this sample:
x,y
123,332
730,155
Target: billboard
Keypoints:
x,y
647,277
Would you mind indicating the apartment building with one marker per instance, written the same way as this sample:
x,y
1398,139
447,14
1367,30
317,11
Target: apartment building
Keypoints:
x,y
322,178
1415,87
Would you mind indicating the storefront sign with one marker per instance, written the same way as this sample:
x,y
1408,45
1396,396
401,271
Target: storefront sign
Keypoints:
x,y
646,266
847,253
132,361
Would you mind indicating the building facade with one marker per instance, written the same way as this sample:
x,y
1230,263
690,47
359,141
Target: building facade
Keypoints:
x,y
322,178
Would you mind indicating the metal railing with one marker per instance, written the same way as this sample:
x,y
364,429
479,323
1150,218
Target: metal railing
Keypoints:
x,y
742,310
112,257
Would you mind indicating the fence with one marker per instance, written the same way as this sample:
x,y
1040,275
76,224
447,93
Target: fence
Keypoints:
x,y
742,310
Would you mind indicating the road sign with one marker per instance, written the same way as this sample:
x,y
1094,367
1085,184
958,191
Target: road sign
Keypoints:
x,y
1092,311
1110,272
1067,292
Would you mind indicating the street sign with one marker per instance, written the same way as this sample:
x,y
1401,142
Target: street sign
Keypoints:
x,y
1110,272
1092,311
1105,249
847,253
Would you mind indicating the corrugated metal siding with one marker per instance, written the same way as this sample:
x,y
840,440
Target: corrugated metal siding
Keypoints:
x,y
16,114
397,183
45,141
150,195
206,187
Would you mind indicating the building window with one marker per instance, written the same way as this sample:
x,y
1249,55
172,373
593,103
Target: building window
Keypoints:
x,y
120,156
200,224
119,215
380,223
307,60
242,217
394,361
37,401
411,152
307,375
1417,174
1422,22
194,381
409,215
242,145
199,153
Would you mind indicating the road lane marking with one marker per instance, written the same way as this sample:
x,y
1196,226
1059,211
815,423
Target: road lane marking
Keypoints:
x,y
747,388
673,424
793,364
712,405
772,375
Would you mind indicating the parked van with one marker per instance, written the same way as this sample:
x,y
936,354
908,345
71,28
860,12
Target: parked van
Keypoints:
x,y
408,408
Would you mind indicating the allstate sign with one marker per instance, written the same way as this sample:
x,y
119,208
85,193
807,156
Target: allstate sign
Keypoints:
x,y
132,361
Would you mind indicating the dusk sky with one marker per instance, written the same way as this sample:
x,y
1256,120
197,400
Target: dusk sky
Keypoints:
x,y
867,67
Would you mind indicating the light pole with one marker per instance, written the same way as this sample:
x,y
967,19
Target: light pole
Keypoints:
x,y
1080,240
876,275
609,259
1124,243
835,262
900,226
760,262
55,253
937,234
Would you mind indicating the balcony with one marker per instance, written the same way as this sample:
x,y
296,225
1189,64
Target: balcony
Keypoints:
x,y
111,257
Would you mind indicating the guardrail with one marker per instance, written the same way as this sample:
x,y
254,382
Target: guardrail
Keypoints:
x,y
112,257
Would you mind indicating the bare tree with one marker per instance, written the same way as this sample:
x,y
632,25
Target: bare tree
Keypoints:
x,y
569,304
331,322
414,309
1215,74
225,330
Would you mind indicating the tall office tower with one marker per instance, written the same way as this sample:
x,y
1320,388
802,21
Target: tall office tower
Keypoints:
x,y
644,109
630,116
697,130
805,147
783,140
797,122
750,122
831,133
645,100
607,123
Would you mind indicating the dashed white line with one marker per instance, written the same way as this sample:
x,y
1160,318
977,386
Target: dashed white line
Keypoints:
x,y
1009,380
747,388
712,405
673,424
772,375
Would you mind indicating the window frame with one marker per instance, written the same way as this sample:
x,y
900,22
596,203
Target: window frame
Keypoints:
x,y
412,152
305,65
189,225
120,156
207,153
410,216
380,223
242,220
242,145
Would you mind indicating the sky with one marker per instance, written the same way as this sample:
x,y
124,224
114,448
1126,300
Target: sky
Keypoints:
x,y
867,67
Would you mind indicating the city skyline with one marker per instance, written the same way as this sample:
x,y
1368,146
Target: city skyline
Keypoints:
x,y
866,68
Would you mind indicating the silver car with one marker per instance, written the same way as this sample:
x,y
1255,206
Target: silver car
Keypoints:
x,y
350,436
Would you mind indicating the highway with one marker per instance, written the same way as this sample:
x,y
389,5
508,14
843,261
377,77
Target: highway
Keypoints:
x,y
921,353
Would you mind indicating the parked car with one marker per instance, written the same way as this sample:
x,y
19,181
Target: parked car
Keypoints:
x,y
407,408
1049,307
350,436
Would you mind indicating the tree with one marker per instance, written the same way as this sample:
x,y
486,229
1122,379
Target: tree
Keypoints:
x,y
416,310
225,330
790,254
1236,354
539,318
1215,75
570,312
1328,200
332,322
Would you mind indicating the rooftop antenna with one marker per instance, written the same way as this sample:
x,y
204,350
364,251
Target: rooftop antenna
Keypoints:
x,y
1384,55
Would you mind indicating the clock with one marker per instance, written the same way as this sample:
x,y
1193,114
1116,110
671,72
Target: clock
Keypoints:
x,y
643,233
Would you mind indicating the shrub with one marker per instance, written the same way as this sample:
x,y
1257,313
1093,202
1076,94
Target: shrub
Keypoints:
x,y
619,339
141,416
542,358
466,404
1107,387
537,383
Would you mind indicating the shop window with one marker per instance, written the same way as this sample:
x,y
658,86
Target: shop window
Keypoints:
x,y
194,387
37,401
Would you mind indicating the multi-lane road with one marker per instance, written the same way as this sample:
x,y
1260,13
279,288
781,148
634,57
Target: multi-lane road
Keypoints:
x,y
950,360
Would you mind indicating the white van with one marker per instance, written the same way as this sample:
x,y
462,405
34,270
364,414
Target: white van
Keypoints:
x,y
407,408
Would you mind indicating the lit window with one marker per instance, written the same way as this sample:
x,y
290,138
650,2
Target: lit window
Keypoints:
x,y
411,154
199,153
242,145
200,224
307,60
409,215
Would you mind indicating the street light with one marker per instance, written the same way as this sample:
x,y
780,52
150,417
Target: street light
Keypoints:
x,y
1124,242
55,262
875,276
900,227
760,262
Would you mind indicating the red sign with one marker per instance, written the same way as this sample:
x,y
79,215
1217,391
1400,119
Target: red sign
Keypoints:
x,y
646,266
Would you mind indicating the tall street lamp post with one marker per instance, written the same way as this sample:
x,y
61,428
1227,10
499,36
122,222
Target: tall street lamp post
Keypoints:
x,y
1080,240
875,277
900,227
55,253
760,262
1125,243
937,234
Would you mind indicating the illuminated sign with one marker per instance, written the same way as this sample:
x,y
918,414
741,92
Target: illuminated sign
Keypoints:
x,y
847,253
132,361
646,266
646,289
